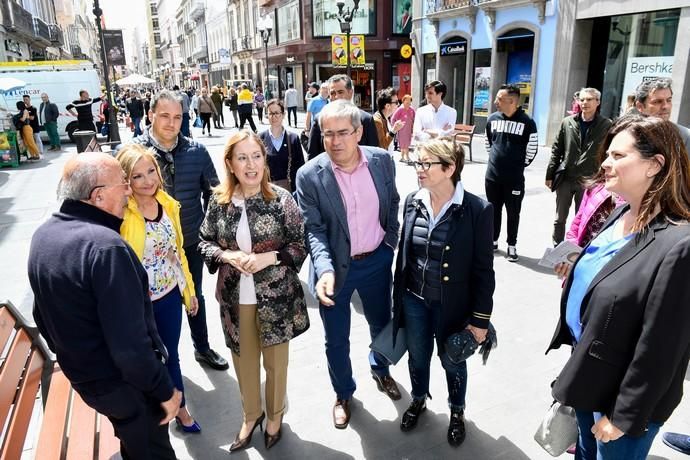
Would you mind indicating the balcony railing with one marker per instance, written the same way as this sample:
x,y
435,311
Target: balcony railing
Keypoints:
x,y
439,9
197,9
246,43
434,6
188,27
199,52
16,18
56,36
41,29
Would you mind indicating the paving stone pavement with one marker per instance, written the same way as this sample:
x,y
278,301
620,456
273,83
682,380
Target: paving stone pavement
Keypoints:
x,y
505,400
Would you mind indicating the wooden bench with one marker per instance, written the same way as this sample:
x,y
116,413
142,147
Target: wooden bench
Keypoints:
x,y
69,429
463,134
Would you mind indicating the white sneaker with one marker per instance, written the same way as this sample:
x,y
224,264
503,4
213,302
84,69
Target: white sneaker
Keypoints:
x,y
512,254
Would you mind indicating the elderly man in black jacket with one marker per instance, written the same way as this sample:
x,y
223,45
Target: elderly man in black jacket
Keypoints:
x,y
188,175
95,312
574,156
340,87
48,114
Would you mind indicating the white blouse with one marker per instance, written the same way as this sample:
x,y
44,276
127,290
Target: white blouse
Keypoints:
x,y
244,241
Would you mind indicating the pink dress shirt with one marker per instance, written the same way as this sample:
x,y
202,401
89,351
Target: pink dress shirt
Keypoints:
x,y
358,192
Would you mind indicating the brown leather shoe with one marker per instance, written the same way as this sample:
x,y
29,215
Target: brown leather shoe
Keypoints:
x,y
341,413
387,385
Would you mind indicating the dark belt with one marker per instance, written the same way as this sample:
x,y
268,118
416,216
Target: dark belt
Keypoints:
x,y
362,256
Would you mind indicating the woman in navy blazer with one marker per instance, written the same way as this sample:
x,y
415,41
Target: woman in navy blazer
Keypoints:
x,y
284,162
625,304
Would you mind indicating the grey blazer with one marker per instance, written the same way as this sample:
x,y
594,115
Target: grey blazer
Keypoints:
x,y
325,218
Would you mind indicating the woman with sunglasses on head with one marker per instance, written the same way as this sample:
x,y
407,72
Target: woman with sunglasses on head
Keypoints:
x,y
253,235
284,150
624,305
386,103
151,226
444,277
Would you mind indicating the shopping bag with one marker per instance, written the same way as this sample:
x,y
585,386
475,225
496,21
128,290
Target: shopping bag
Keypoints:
x,y
558,429
198,123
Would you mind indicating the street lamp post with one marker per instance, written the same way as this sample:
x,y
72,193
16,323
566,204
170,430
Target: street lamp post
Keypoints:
x,y
265,26
112,120
345,19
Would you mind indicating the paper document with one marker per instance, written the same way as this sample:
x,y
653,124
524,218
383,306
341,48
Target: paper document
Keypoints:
x,y
566,251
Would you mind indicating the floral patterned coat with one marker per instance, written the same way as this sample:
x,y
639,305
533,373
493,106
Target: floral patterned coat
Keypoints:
x,y
274,225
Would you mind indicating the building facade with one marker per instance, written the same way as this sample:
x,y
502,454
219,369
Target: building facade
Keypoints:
x,y
300,49
29,30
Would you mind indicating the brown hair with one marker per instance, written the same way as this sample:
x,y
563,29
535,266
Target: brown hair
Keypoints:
x,y
224,191
448,153
670,188
130,154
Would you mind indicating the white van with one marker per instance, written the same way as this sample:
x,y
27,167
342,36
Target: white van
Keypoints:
x,y
60,80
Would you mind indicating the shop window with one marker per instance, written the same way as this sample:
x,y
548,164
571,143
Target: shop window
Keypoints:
x,y
640,47
325,18
288,22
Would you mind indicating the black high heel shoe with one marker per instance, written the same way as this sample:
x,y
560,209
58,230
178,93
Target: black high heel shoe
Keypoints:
x,y
271,440
239,444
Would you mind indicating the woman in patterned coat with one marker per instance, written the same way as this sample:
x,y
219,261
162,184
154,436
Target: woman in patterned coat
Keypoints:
x,y
253,235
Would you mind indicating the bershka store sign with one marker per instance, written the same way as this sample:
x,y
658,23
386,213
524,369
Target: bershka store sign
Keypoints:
x,y
641,69
453,48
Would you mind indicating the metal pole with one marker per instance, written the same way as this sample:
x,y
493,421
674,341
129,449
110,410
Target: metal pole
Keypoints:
x,y
112,121
266,87
347,48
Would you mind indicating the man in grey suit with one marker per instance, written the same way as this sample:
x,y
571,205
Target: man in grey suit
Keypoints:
x,y
350,205
340,88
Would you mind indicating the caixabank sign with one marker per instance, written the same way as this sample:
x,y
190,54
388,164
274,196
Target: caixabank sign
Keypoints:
x,y
453,48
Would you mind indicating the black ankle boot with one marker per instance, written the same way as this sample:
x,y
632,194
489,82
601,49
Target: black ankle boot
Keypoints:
x,y
456,428
411,415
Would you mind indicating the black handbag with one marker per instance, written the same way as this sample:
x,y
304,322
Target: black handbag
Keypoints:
x,y
558,176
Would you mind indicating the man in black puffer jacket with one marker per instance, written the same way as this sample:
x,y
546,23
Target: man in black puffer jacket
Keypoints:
x,y
189,175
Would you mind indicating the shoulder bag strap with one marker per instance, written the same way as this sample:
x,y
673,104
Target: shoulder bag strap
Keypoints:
x,y
289,168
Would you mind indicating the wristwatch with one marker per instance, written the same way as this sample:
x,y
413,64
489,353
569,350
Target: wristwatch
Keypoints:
x,y
279,258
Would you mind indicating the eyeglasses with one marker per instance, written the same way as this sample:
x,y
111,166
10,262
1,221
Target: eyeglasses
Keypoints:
x,y
123,184
425,165
274,114
395,102
331,135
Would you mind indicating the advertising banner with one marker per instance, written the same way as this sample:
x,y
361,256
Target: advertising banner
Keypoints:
x,y
339,50
326,22
482,97
114,47
224,56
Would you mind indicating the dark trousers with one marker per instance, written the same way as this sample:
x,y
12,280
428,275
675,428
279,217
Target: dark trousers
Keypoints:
x,y
260,113
197,323
136,121
234,116
500,194
205,121
293,111
135,420
422,324
184,129
567,190
626,447
167,312
372,278
247,116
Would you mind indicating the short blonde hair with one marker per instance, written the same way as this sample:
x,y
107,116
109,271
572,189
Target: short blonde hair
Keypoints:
x,y
225,190
406,97
129,156
448,153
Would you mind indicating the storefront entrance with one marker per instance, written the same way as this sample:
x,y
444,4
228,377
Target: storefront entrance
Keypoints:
x,y
514,54
451,71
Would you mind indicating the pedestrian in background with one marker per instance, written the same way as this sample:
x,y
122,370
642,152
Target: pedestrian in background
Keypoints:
x,y
217,98
438,292
353,185
312,91
231,102
253,235
574,156
188,176
48,114
284,154
194,105
655,98
34,122
290,100
406,114
151,226
23,125
259,102
512,142
314,107
185,110
206,109
245,103
386,103
435,119
620,305
135,108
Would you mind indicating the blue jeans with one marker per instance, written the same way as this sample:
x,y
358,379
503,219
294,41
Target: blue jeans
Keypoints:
x,y
624,448
167,312
184,129
372,279
137,126
197,323
421,327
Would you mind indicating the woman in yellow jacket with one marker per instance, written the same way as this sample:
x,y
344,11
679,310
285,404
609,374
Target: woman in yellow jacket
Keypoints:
x,y
152,228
